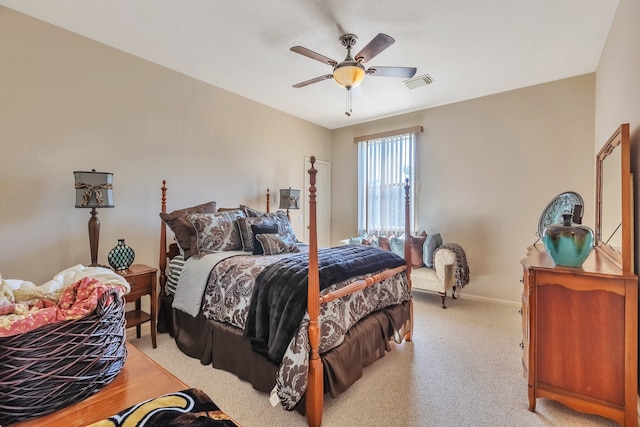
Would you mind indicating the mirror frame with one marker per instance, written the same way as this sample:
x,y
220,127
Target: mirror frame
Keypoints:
x,y
624,259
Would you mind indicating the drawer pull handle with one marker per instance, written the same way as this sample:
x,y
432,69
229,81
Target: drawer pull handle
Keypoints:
x,y
520,311
521,345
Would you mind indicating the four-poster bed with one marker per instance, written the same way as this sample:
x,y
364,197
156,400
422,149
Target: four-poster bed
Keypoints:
x,y
344,315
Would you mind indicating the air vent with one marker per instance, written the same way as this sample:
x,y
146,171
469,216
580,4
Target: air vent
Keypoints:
x,y
418,81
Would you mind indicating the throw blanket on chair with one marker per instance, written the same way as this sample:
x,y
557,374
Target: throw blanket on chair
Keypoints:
x,y
279,299
191,407
462,268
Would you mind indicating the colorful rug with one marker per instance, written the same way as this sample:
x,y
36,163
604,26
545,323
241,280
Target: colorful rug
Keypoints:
x,y
191,407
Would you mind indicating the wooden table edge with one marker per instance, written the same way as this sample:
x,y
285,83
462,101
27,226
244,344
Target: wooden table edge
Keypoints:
x,y
140,379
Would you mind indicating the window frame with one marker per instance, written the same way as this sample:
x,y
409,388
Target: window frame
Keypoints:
x,y
364,226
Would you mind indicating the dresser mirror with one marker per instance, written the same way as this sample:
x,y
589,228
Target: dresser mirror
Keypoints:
x,y
614,207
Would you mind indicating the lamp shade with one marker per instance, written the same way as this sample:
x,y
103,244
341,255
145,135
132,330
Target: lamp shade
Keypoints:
x,y
289,199
94,189
349,74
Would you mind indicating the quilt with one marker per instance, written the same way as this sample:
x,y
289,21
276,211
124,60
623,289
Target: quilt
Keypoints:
x,y
227,298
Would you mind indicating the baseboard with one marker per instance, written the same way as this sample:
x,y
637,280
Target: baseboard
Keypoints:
x,y
461,295
487,299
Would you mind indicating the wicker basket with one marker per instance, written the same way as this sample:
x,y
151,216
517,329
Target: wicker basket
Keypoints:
x,y
60,364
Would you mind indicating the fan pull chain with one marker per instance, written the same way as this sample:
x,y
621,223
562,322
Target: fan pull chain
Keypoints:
x,y
348,102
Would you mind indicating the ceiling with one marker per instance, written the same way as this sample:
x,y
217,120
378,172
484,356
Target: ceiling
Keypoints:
x,y
469,48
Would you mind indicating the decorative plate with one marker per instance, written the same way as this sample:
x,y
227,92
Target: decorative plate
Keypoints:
x,y
562,203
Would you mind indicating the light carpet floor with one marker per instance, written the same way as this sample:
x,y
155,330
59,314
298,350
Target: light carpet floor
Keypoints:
x,y
463,368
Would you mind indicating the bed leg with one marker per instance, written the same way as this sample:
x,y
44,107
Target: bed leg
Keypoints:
x,y
453,292
409,335
315,386
443,295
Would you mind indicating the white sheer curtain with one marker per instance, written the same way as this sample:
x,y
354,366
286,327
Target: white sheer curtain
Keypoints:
x,y
383,166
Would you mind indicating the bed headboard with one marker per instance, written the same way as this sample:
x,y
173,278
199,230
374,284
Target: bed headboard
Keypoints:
x,y
170,251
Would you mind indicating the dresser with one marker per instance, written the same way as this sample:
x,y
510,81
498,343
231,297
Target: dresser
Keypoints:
x,y
580,335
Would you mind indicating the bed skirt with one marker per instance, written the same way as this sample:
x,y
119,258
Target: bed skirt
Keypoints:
x,y
365,343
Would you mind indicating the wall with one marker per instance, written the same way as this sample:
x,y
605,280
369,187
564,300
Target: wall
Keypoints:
x,y
618,91
487,168
69,103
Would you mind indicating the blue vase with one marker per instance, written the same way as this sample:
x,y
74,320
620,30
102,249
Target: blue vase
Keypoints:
x,y
121,257
568,244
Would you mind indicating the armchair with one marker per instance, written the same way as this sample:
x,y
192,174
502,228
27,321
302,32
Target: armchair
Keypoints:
x,y
440,278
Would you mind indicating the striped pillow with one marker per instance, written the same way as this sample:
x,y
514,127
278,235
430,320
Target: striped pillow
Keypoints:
x,y
174,271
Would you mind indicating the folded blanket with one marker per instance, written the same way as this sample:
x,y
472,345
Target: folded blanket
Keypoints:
x,y
462,268
279,299
191,407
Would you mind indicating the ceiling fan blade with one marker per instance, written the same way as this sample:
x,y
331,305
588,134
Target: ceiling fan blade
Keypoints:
x,y
403,72
315,80
375,46
313,55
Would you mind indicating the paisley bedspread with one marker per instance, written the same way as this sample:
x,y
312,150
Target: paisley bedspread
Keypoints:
x,y
227,299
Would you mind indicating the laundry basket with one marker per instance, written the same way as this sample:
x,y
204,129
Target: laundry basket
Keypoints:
x,y
59,364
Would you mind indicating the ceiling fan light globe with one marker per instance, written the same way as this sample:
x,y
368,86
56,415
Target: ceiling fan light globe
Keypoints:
x,y
349,75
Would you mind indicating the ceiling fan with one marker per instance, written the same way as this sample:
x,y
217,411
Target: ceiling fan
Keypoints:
x,y
350,72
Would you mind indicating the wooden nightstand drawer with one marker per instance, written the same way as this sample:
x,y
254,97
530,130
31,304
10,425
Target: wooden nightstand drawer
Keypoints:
x,y
140,285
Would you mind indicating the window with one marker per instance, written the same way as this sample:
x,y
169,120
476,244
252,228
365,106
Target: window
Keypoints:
x,y
385,161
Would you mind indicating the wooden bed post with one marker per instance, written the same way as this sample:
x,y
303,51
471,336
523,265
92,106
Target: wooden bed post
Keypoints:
x,y
163,241
268,201
407,252
315,388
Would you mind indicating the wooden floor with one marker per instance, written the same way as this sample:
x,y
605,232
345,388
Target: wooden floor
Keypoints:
x,y
140,379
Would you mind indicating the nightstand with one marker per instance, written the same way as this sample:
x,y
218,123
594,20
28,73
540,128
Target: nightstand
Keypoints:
x,y
143,281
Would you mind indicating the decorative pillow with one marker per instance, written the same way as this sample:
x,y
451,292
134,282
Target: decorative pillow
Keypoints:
x,y
261,229
384,243
417,248
175,267
216,232
250,212
397,246
356,240
245,224
182,227
273,244
431,243
284,225
416,243
279,218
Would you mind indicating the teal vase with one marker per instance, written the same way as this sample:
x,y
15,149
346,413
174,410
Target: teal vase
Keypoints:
x,y
567,243
121,257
